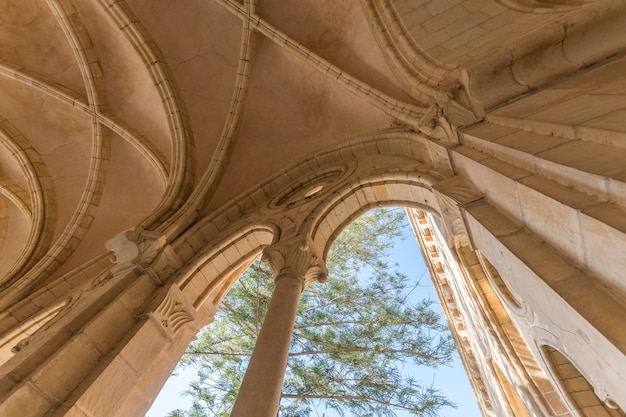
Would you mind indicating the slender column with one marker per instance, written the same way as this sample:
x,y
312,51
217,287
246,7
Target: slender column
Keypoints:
x,y
295,266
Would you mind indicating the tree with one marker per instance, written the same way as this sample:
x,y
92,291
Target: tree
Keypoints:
x,y
352,339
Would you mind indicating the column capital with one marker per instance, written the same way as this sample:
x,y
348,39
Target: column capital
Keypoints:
x,y
296,256
172,311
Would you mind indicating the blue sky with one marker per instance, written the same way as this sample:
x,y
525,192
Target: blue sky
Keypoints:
x,y
452,381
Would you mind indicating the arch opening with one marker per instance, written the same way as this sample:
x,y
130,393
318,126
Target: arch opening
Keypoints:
x,y
306,357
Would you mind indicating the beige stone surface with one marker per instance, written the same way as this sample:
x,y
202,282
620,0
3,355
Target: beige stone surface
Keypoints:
x,y
190,138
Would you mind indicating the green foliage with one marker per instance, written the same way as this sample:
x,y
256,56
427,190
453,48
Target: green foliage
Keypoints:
x,y
353,335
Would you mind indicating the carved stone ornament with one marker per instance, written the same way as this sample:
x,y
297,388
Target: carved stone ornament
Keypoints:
x,y
166,263
439,157
296,256
311,187
435,124
444,117
144,250
173,312
451,194
457,114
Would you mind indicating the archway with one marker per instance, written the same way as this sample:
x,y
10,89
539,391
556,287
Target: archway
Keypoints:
x,y
153,301
359,313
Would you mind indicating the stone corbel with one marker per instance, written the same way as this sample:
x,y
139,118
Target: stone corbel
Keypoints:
x,y
444,117
296,257
435,124
143,250
452,194
457,114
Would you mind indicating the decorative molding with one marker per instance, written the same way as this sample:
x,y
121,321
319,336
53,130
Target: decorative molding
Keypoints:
x,y
307,188
166,263
81,220
150,152
502,289
423,77
456,114
205,188
419,73
435,124
407,113
41,200
542,7
439,157
24,331
451,195
18,196
296,257
436,260
181,170
4,220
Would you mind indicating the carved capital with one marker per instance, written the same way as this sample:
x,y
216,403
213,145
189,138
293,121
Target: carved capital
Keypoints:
x,y
172,312
296,257
145,250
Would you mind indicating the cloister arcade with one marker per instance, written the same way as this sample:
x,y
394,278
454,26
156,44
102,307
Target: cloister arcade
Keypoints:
x,y
150,151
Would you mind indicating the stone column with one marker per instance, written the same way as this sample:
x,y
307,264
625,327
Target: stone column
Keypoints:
x,y
100,356
295,266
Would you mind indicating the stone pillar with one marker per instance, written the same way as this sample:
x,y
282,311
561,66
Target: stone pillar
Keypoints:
x,y
295,265
111,346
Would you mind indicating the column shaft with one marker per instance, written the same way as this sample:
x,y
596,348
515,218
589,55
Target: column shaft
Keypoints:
x,y
260,391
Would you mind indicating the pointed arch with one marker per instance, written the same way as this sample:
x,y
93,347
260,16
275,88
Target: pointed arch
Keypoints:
x,y
581,396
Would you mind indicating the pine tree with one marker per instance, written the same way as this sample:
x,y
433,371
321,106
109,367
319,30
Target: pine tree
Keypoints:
x,y
353,335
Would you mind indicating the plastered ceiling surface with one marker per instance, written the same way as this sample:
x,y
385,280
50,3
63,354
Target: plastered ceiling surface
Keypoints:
x,y
116,106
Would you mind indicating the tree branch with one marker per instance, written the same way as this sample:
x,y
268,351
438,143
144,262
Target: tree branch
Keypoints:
x,y
364,349
216,352
351,398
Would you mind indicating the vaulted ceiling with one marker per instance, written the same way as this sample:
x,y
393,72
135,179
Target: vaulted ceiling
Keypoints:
x,y
115,112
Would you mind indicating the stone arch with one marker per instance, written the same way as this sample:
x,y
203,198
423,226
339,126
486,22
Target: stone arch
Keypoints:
x,y
394,189
187,278
525,385
580,394
495,52
159,302
428,194
381,177
396,167
217,249
209,274
40,199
